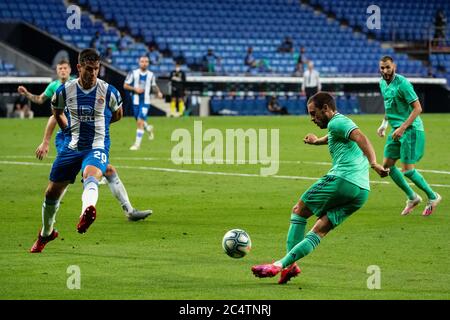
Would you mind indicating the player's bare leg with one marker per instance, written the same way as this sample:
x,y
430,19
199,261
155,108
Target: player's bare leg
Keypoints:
x,y
53,195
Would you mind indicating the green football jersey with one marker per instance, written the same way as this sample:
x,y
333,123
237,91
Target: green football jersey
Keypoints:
x,y
398,96
349,162
51,88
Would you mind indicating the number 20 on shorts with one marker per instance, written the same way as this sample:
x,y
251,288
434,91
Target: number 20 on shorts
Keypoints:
x,y
101,156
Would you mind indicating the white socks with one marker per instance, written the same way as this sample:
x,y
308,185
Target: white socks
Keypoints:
x,y
49,209
90,193
139,135
118,190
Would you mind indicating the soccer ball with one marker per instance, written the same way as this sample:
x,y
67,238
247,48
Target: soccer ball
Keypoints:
x,y
236,243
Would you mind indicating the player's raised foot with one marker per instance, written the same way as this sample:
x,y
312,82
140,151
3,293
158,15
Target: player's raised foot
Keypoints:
x,y
431,205
137,215
410,205
265,270
289,273
41,241
134,147
150,129
86,219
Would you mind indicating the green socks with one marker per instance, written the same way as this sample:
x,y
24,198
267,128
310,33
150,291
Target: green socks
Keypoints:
x,y
420,182
302,249
296,231
399,180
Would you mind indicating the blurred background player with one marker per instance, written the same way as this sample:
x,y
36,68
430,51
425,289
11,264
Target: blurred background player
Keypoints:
x,y
341,192
406,141
141,82
111,176
177,81
83,109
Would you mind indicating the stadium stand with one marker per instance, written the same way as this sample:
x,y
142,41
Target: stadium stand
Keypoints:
x,y
188,29
244,105
415,23
227,27
441,65
9,69
230,27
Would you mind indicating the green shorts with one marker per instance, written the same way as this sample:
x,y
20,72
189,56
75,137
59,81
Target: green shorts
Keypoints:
x,y
409,148
335,197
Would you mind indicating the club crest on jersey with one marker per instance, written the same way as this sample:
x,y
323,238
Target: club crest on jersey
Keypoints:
x,y
100,101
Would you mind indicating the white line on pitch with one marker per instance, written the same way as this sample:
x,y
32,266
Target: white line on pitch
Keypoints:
x,y
220,162
218,173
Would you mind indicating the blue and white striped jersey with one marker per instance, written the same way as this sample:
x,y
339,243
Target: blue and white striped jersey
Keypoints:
x,y
88,113
144,80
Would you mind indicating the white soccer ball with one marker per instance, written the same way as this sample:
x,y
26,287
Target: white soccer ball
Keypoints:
x,y
236,243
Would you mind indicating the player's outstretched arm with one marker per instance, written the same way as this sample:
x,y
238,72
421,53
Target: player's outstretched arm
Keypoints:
x,y
43,148
312,139
368,150
33,98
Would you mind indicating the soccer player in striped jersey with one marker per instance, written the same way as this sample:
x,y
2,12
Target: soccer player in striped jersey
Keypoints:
x,y
141,82
83,109
111,176
406,141
337,195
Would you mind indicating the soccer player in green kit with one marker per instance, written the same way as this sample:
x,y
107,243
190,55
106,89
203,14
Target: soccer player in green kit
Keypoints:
x,y
406,141
338,194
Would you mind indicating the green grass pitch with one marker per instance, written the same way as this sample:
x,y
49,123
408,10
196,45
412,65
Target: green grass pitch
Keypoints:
x,y
176,253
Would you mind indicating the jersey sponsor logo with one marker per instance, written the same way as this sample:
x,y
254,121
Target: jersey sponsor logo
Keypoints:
x,y
86,113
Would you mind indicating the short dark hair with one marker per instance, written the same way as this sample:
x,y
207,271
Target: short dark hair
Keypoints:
x,y
386,59
323,98
63,61
89,54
